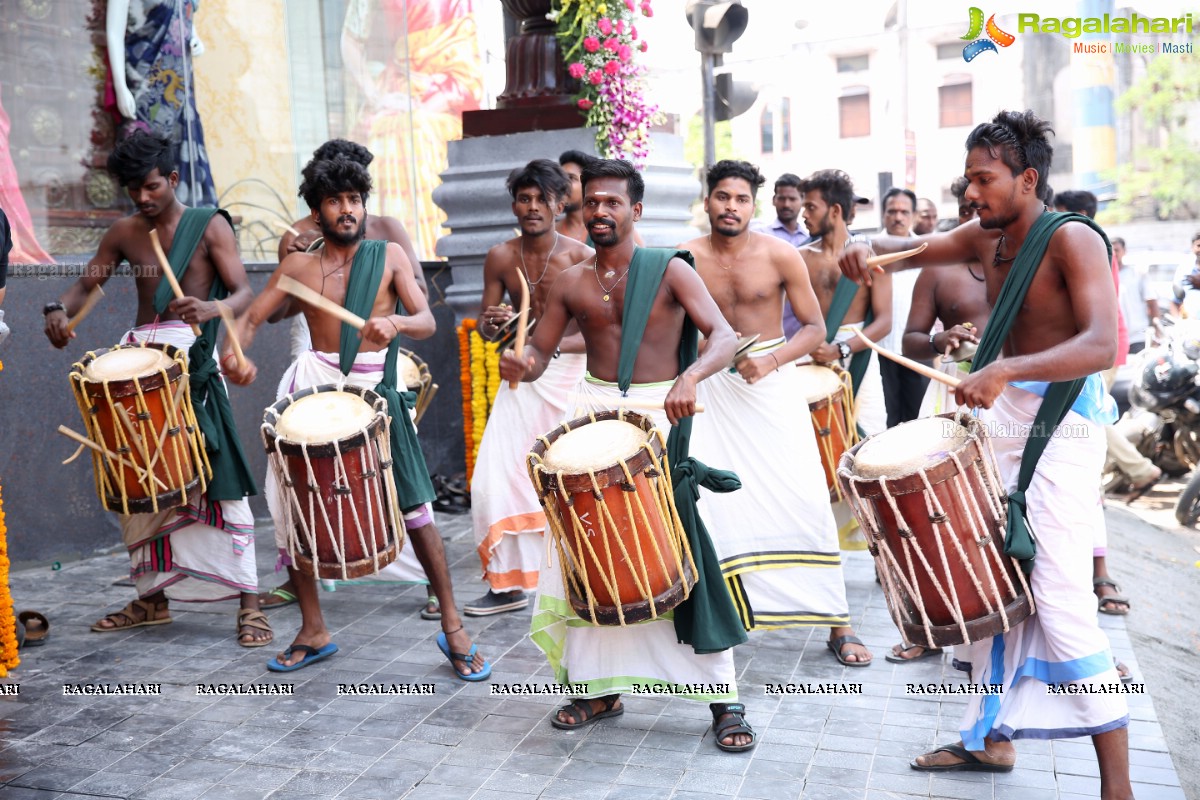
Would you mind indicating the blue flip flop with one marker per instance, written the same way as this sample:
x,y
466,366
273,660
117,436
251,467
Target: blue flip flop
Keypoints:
x,y
466,658
311,655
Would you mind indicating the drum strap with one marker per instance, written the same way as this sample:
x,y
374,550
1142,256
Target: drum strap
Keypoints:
x,y
1019,541
367,272
707,620
231,478
843,296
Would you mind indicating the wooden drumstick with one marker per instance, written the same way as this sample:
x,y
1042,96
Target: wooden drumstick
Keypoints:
x,y
915,366
522,320
231,333
648,405
93,297
878,263
169,273
79,438
285,227
320,301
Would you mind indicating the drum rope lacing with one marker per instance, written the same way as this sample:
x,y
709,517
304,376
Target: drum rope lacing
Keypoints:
x,y
905,595
572,571
110,478
307,522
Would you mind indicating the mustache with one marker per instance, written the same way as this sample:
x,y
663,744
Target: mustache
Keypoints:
x,y
346,218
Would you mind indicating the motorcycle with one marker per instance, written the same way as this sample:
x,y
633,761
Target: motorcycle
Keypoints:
x,y
1163,422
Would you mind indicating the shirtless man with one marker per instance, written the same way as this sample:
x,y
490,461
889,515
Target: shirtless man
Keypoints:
x,y
787,565
571,225
505,509
145,165
829,202
304,232
594,295
336,191
1064,329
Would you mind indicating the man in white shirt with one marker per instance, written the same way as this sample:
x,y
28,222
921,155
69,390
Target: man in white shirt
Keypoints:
x,y
1187,283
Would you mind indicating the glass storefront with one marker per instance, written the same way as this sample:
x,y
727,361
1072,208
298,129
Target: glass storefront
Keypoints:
x,y
247,89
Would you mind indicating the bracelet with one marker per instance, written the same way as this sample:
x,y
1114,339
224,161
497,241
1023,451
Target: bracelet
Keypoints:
x,y
394,325
776,360
228,356
933,346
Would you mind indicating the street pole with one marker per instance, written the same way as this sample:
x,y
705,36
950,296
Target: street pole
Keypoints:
x,y
709,111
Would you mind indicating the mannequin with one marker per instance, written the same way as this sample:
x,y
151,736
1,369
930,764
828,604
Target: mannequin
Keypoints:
x,y
153,85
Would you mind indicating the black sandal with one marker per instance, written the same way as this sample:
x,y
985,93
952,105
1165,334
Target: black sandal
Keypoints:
x,y
735,724
581,710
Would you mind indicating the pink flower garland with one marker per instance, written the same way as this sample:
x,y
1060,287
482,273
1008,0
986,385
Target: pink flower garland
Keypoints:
x,y
599,41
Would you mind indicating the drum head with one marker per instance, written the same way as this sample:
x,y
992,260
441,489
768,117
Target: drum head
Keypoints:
x,y
126,362
909,447
410,373
324,417
594,446
819,382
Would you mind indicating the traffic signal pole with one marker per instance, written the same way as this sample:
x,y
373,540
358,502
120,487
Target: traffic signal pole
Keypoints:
x,y
708,81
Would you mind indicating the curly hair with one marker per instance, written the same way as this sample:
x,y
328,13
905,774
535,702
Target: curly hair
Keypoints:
x,y
836,189
332,177
1019,139
345,148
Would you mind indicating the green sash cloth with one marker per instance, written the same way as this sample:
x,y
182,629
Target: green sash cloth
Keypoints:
x,y
843,296
408,461
1019,542
707,620
231,479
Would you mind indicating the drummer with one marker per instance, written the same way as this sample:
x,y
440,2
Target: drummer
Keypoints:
x,y
368,277
508,517
203,561
1064,328
605,295
302,235
776,537
828,209
949,308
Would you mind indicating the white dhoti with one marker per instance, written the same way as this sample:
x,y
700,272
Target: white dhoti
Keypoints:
x,y
775,536
613,659
508,519
870,412
1062,644
939,398
314,368
202,551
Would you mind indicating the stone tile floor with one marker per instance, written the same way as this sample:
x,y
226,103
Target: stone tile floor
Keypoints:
x,y
463,742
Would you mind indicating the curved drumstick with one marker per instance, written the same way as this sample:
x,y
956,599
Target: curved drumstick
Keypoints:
x,y
320,301
169,273
522,320
231,332
877,263
93,297
278,223
915,366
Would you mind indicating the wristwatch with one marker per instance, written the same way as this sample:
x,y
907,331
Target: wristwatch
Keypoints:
x,y
843,350
859,238
51,307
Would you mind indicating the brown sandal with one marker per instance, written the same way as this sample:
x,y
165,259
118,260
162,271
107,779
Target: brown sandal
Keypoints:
x,y
125,619
255,620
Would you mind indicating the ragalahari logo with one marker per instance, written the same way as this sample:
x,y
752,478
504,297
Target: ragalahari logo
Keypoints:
x,y
995,36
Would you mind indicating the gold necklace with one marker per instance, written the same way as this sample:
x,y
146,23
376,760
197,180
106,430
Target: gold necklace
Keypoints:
x,y
607,289
546,266
731,263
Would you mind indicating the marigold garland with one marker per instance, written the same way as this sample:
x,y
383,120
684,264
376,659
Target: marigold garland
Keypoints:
x,y
9,658
464,360
480,378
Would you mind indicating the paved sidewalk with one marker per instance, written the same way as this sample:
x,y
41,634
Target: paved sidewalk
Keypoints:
x,y
462,742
